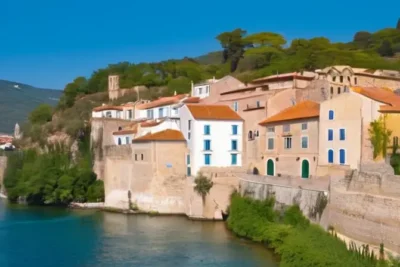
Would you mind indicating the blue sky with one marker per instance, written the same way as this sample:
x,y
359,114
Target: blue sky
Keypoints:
x,y
47,43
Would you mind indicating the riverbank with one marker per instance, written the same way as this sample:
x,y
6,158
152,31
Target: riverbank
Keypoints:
x,y
294,238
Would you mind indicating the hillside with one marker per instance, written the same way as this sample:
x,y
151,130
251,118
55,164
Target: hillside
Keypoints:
x,y
18,100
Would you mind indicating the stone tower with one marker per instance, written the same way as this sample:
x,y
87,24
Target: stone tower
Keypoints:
x,y
17,132
113,87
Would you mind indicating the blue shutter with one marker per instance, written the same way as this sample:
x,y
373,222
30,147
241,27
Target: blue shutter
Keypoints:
x,y
188,160
330,135
342,155
207,160
233,159
207,145
342,134
330,156
331,115
233,145
207,129
234,129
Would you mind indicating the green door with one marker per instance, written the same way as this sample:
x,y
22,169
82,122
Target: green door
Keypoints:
x,y
305,169
270,167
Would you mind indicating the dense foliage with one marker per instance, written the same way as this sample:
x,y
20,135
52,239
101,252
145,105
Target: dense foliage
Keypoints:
x,y
294,239
54,177
203,185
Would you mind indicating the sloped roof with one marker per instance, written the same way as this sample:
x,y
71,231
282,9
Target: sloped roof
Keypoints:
x,y
291,75
213,112
151,123
162,101
303,110
107,107
380,94
166,135
193,99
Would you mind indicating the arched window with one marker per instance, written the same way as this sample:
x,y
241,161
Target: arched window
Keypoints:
x,y
250,135
330,156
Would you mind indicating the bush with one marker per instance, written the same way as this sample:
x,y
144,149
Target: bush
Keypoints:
x,y
41,114
203,185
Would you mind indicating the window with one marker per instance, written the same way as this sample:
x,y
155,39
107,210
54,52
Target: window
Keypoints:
x,y
189,171
206,129
235,106
330,135
334,78
189,136
129,114
250,135
200,91
331,90
127,140
207,145
288,142
338,90
355,80
150,113
271,143
234,129
330,156
135,157
108,114
342,156
234,145
304,126
341,79
142,157
304,142
160,112
286,128
331,115
119,141
189,125
233,159
348,78
258,104
207,159
395,141
271,130
207,89
342,134
188,160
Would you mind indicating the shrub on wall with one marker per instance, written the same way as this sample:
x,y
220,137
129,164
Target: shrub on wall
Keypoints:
x,y
379,137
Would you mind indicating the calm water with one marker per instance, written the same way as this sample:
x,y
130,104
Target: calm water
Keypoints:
x,y
56,237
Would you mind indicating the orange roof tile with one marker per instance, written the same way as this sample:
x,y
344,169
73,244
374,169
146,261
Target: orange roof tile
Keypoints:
x,y
303,110
124,132
380,94
106,107
292,75
166,135
213,112
389,109
151,123
193,99
162,101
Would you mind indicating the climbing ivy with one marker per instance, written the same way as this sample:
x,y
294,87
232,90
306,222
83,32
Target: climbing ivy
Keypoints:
x,y
379,137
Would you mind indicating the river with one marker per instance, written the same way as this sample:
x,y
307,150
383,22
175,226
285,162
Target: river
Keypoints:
x,y
37,236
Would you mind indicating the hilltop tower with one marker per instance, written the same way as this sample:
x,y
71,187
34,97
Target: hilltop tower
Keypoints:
x,y
17,132
113,87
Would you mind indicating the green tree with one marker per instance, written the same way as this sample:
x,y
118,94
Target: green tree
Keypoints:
x,y
203,185
266,39
41,114
385,50
180,85
398,24
362,39
233,44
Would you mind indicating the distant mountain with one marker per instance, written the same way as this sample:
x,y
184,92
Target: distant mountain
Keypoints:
x,y
17,100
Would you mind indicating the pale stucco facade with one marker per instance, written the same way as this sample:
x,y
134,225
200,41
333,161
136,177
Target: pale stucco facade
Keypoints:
x,y
291,146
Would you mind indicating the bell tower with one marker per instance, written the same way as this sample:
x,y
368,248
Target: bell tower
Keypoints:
x,y
113,87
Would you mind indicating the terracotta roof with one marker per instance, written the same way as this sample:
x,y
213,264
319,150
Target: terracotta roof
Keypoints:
x,y
213,112
292,75
124,132
193,99
389,109
303,110
106,107
166,135
151,123
383,95
162,101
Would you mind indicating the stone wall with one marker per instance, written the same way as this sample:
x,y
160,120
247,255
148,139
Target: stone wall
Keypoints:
x,y
3,166
310,194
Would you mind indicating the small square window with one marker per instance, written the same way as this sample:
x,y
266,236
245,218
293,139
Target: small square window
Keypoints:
x,y
286,128
304,126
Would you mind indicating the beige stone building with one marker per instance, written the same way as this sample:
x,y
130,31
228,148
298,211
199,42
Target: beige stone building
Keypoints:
x,y
292,141
115,92
155,177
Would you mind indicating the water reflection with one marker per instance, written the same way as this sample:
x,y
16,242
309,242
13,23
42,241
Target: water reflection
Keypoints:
x,y
54,237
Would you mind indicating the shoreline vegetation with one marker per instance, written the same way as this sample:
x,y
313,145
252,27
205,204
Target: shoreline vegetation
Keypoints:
x,y
294,239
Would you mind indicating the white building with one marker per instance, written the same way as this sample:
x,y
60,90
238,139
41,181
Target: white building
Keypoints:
x,y
214,136
106,111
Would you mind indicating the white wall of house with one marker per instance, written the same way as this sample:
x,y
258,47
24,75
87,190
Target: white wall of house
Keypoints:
x,y
116,114
123,139
165,125
220,141
157,112
201,91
